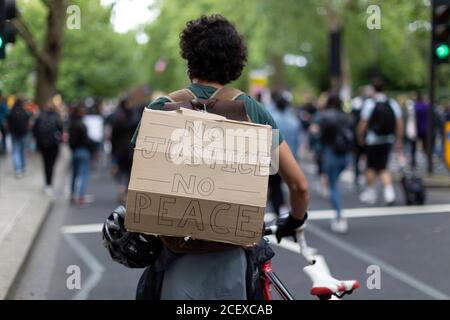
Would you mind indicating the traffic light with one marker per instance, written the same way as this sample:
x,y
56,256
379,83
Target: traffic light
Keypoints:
x,y
441,31
7,29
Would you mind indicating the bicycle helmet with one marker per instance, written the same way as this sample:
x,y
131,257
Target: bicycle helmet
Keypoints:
x,y
133,250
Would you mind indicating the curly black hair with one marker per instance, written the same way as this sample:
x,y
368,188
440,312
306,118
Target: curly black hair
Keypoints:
x,y
213,48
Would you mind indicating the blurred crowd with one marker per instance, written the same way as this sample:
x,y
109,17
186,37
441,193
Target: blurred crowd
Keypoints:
x,y
358,135
93,130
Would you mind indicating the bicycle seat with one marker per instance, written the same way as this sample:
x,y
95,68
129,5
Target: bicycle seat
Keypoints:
x,y
325,286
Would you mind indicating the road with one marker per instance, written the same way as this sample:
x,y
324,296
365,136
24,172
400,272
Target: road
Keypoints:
x,y
409,245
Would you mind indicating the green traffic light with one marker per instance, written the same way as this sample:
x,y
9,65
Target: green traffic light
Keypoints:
x,y
1,42
442,51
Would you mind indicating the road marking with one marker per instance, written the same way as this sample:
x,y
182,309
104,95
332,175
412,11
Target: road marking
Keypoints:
x,y
379,211
372,260
313,215
93,264
82,228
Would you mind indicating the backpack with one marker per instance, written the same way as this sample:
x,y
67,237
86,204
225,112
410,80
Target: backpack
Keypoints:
x,y
47,130
344,140
337,131
222,102
18,121
382,120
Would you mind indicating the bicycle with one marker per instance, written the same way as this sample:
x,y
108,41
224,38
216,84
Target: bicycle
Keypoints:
x,y
325,287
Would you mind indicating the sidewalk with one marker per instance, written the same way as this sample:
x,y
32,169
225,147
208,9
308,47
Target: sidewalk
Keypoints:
x,y
23,209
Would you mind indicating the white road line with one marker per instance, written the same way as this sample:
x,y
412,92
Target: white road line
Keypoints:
x,y
95,267
372,260
82,228
313,215
380,211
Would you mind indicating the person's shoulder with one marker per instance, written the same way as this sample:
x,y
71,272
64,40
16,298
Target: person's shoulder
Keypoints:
x,y
158,103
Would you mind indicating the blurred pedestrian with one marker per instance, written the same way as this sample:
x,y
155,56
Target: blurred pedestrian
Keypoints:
x,y
290,130
4,111
357,103
421,111
47,131
82,151
316,146
124,124
18,125
337,141
381,127
409,121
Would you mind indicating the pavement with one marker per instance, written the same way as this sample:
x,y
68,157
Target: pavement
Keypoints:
x,y
407,246
23,209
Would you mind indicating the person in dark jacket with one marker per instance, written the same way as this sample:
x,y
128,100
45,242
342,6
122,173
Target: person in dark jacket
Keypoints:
x,y
19,121
336,137
47,131
124,125
82,149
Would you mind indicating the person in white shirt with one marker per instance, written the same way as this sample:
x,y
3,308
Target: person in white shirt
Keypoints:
x,y
380,128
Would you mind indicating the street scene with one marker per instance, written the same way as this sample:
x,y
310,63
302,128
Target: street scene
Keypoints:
x,y
348,175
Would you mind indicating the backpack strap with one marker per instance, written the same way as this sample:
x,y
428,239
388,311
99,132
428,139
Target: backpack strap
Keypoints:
x,y
226,94
181,95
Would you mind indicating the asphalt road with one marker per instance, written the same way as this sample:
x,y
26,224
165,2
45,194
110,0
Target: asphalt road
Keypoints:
x,y
411,250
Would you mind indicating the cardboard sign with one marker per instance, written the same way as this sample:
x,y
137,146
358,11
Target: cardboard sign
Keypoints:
x,y
199,175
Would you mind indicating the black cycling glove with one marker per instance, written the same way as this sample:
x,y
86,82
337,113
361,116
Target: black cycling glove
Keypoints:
x,y
287,227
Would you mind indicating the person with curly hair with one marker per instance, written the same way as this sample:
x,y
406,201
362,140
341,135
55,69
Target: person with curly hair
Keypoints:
x,y
216,55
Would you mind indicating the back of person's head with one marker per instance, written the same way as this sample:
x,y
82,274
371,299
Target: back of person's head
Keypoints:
x,y
213,49
334,101
280,100
19,103
79,111
50,105
378,84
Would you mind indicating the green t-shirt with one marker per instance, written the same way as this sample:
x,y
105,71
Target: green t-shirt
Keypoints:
x,y
256,111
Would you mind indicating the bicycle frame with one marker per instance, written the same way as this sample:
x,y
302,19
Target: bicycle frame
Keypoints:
x,y
325,287
268,278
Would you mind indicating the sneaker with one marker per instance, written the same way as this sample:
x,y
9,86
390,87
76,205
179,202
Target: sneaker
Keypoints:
x,y
18,175
389,195
368,196
339,225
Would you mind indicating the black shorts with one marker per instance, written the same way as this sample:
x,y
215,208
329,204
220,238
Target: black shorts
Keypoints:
x,y
378,156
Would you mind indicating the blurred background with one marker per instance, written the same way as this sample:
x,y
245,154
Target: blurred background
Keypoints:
x,y
93,65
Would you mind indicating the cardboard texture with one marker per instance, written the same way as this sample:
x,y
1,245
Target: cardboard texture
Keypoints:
x,y
199,175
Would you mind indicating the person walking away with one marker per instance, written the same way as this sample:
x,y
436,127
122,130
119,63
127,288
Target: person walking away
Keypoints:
x,y
316,146
380,128
358,152
47,131
82,150
421,111
290,130
337,139
18,125
4,111
124,124
211,272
